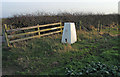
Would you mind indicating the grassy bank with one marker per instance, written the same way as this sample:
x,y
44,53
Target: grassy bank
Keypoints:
x,y
48,56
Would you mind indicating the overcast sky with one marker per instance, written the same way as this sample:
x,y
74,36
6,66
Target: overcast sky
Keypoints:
x,y
11,7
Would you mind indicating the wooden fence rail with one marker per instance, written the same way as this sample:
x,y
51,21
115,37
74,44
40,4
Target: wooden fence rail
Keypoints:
x,y
53,30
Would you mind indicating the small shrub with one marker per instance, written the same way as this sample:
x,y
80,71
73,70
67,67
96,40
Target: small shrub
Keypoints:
x,y
94,69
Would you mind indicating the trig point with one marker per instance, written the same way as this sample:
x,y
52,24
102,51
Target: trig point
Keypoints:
x,y
69,33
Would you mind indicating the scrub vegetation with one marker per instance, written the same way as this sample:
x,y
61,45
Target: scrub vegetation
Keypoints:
x,y
96,52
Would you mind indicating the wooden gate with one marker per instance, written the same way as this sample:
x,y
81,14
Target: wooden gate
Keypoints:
x,y
26,33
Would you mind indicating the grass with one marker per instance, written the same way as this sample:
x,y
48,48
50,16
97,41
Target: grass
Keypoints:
x,y
48,56
112,31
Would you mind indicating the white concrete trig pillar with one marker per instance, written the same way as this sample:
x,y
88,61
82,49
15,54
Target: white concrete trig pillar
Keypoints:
x,y
69,33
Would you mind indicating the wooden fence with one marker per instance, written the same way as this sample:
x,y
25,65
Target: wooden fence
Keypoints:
x,y
47,29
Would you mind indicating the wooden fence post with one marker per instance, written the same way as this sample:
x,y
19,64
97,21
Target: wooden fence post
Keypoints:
x,y
98,26
61,26
38,30
118,27
113,23
6,36
101,28
110,27
80,25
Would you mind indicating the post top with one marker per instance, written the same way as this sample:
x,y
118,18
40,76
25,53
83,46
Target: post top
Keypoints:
x,y
68,23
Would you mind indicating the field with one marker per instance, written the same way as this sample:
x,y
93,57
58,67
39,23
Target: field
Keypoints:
x,y
94,53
